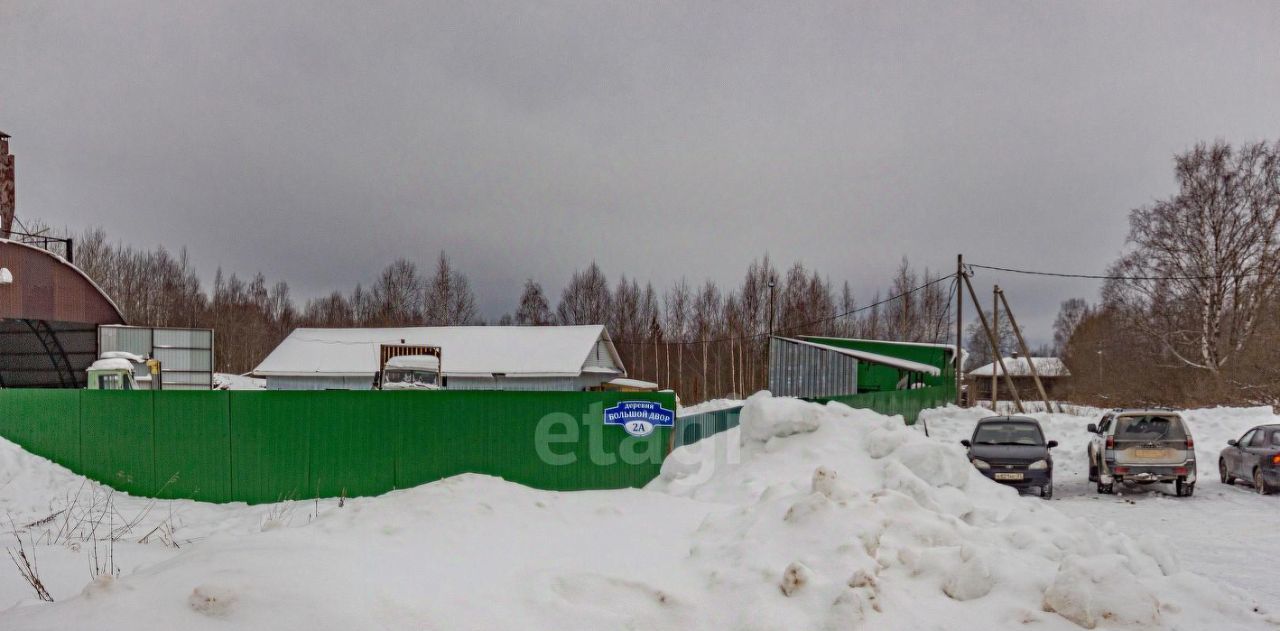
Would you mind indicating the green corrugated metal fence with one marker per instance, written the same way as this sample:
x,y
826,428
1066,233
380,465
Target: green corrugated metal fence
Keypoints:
x,y
44,422
693,428
908,403
267,446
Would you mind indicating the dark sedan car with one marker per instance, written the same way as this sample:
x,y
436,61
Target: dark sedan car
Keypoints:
x,y
1012,450
1255,457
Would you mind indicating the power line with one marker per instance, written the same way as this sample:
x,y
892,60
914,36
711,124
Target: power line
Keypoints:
x,y
802,325
946,313
1109,277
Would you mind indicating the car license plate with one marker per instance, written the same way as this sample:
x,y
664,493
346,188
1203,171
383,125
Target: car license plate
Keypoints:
x,y
1008,476
1150,454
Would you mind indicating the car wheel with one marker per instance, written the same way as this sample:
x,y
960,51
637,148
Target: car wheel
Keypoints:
x,y
1260,483
1184,489
1046,491
1106,489
1222,473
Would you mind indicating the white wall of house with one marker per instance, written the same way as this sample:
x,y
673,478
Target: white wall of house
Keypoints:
x,y
320,382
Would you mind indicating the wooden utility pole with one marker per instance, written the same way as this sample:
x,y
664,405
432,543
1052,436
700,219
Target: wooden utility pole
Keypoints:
x,y
995,347
959,329
991,338
1026,352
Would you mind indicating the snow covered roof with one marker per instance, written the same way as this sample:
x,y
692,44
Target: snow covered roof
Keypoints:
x,y
950,348
1018,367
414,362
112,363
516,351
133,357
904,364
623,382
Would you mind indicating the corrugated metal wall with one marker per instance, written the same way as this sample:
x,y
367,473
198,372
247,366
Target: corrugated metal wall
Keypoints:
x,y
801,370
186,355
257,446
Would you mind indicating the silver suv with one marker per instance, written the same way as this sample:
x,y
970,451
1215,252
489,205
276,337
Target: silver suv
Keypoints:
x,y
1143,447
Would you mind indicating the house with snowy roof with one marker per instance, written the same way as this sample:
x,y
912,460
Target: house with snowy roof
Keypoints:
x,y
1053,374
471,358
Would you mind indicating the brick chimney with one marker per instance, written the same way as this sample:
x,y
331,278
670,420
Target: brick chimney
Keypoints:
x,y
7,205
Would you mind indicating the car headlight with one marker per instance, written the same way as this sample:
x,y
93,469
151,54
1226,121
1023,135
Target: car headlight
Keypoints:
x,y
1039,464
981,464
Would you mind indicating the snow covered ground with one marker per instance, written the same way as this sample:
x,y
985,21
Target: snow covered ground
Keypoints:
x,y
805,517
1226,533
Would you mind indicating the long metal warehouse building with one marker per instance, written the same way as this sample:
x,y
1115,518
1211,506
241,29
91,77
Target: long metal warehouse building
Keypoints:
x,y
471,357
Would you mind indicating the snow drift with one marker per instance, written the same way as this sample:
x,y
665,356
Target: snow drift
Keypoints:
x,y
805,517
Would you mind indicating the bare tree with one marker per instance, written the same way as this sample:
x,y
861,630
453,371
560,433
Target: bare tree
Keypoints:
x,y
448,299
363,309
1071,313
872,325
847,326
397,295
708,313
979,346
626,319
676,309
586,300
1206,259
331,311
533,309
903,315
934,310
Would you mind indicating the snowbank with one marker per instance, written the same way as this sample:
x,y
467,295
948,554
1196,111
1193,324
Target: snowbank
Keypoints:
x,y
805,517
874,520
1225,532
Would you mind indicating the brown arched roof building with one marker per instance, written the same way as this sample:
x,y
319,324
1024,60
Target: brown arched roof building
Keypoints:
x,y
49,316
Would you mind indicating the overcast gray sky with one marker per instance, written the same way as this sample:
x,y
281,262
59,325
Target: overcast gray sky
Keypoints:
x,y
317,141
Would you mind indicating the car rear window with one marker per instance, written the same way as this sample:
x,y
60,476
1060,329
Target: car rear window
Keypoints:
x,y
1150,428
1007,433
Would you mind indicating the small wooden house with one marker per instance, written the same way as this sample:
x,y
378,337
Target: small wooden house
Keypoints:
x,y
1053,374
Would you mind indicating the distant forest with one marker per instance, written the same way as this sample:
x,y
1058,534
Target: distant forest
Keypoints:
x,y
700,339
